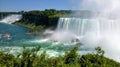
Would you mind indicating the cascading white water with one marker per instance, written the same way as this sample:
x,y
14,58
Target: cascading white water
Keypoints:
x,y
11,18
94,32
81,27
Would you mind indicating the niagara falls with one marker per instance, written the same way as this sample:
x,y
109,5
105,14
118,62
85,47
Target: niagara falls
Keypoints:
x,y
65,33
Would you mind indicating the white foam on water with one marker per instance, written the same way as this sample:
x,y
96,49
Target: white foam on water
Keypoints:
x,y
39,40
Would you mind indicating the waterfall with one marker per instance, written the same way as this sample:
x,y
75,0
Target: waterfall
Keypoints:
x,y
81,27
94,32
91,31
11,18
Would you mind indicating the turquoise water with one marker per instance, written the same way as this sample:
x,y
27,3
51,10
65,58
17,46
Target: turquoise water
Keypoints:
x,y
17,34
18,38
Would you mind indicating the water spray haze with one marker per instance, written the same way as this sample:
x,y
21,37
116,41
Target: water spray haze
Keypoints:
x,y
63,36
106,8
108,16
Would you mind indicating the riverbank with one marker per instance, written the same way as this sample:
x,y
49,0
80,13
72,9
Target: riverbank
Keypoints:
x,y
33,29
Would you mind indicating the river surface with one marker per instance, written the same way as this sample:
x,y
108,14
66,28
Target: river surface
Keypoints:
x,y
14,37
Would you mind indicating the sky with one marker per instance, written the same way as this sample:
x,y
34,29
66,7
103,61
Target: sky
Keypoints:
x,y
27,5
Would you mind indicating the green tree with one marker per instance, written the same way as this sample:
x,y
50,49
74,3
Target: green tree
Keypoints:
x,y
72,56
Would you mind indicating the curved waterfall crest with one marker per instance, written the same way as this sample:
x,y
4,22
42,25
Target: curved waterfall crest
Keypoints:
x,y
81,27
95,32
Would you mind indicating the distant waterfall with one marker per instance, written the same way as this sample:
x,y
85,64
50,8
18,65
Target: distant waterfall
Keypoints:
x,y
11,18
81,27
